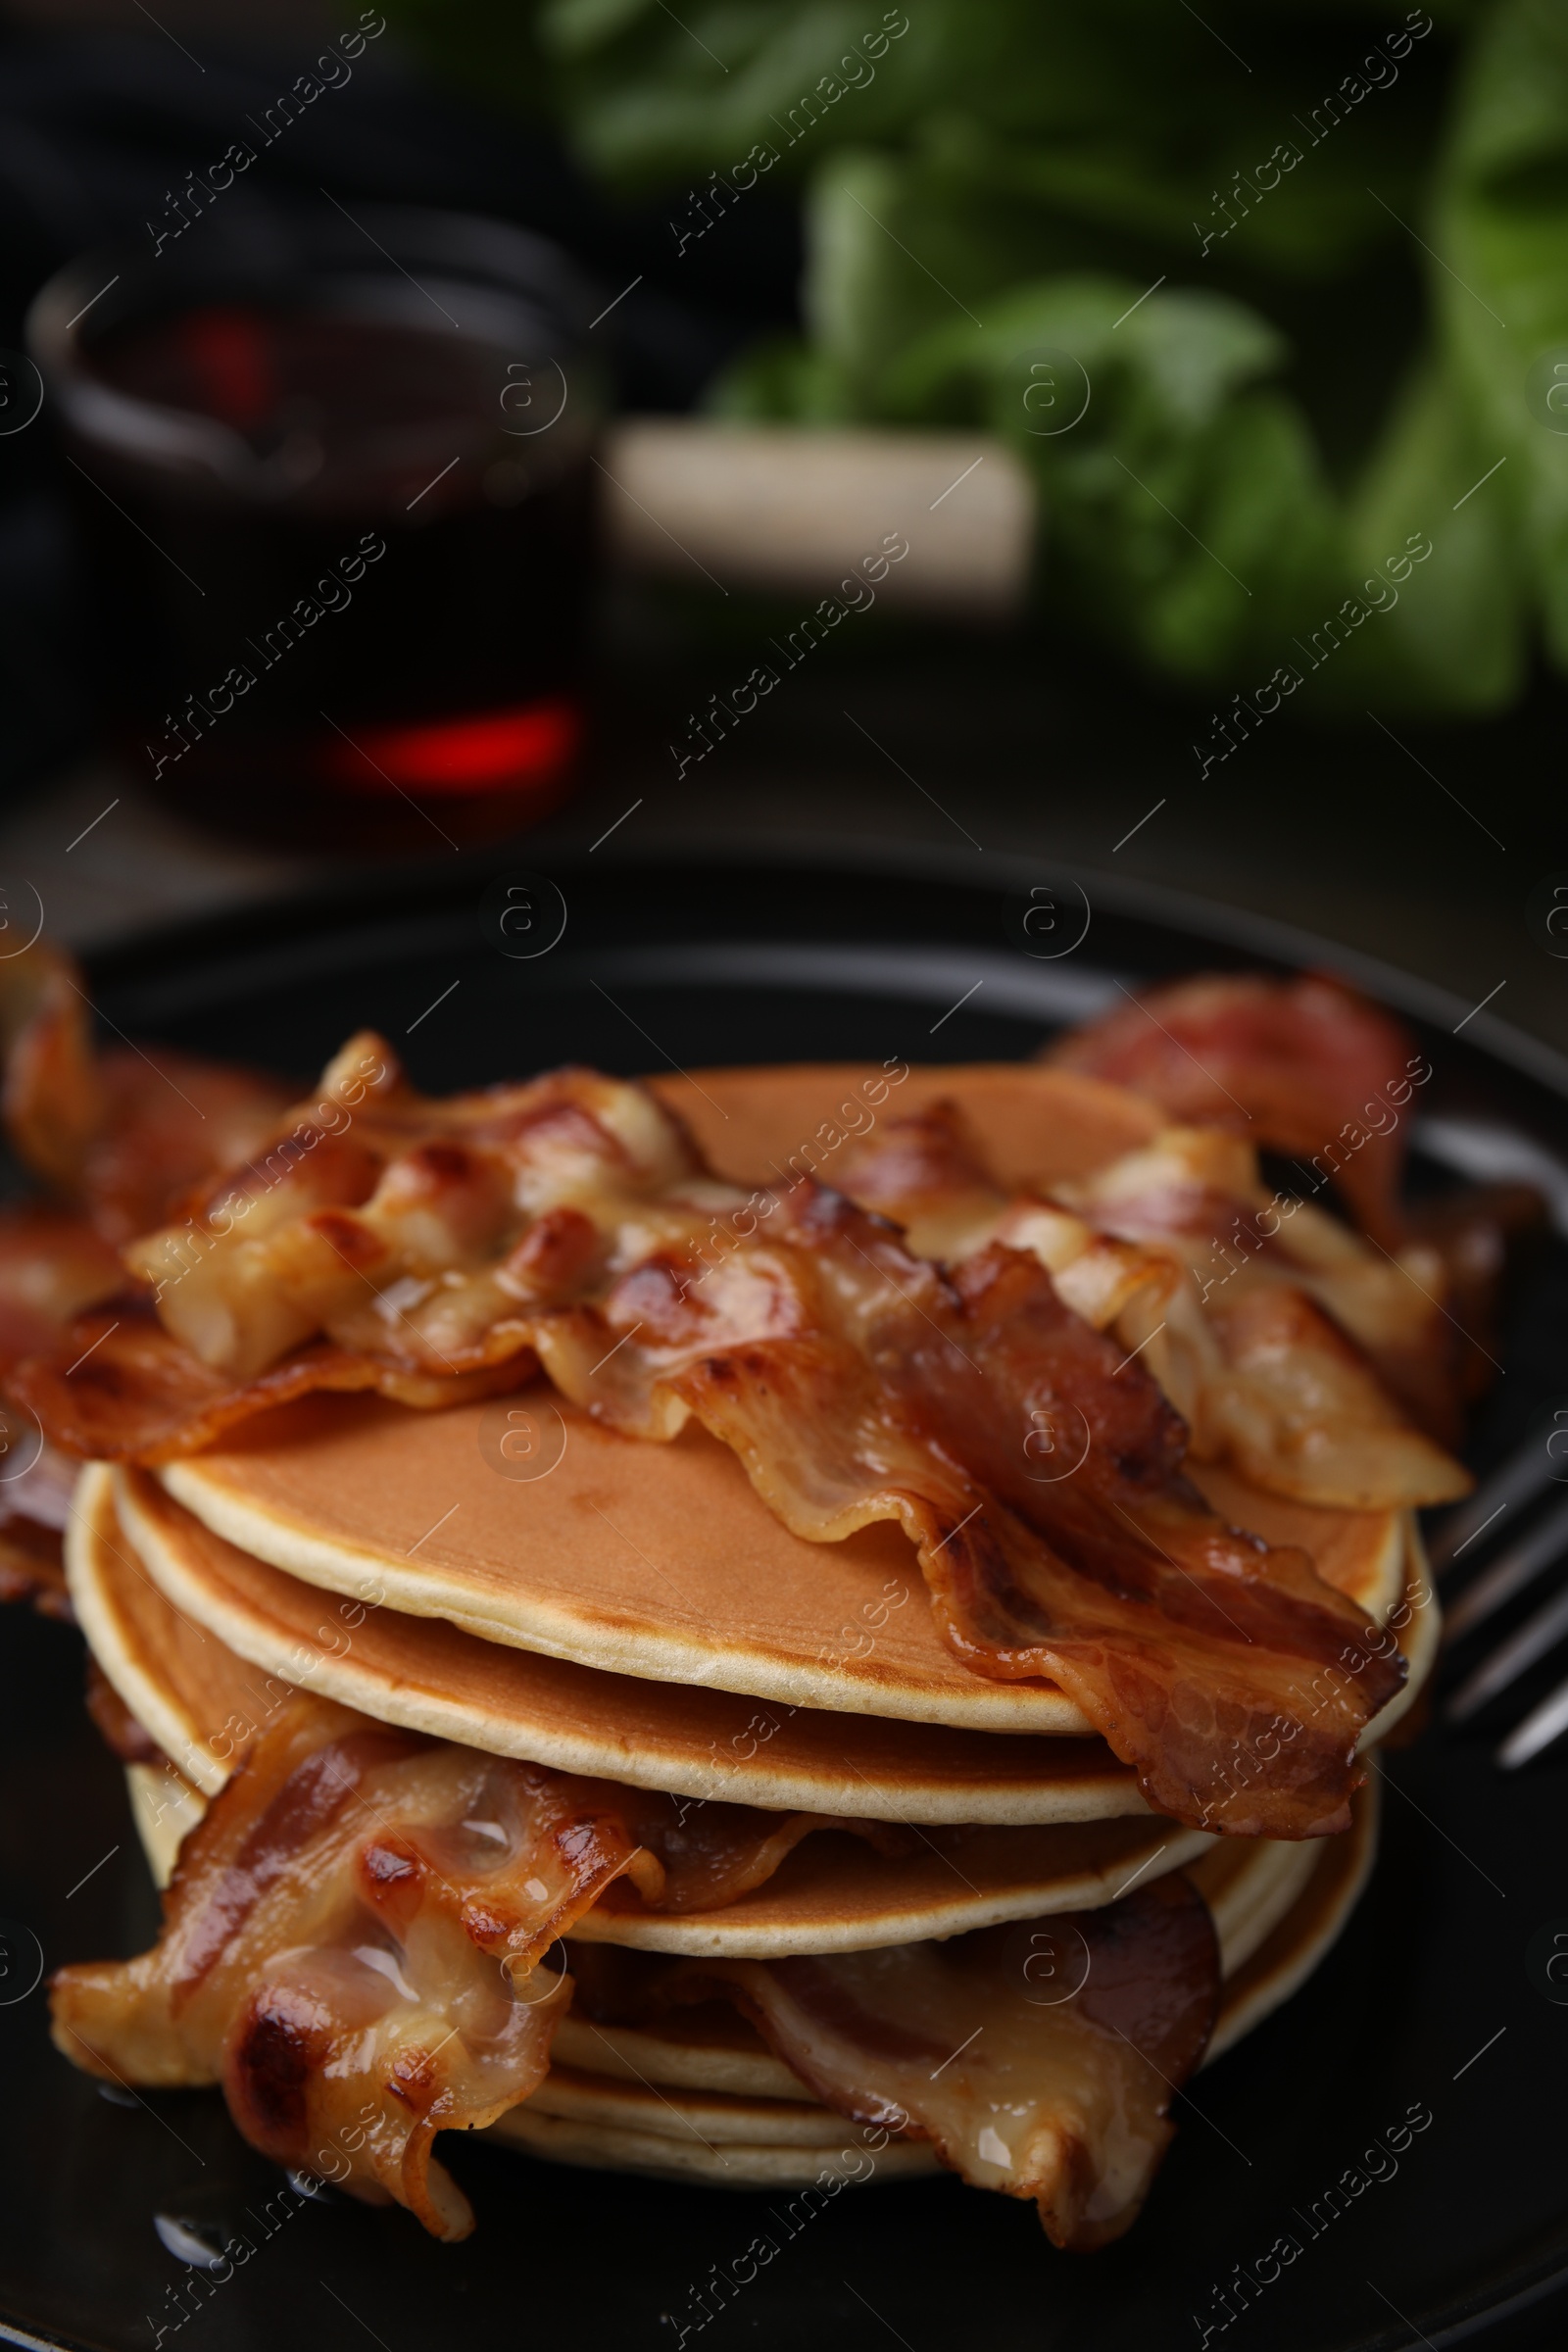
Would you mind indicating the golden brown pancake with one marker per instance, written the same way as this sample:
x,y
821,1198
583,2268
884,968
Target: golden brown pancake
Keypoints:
x,y
831,1896
657,1561
1034,1126
1249,1886
1308,1932
701,2096
137,1549
832,1893
827,1895
684,2153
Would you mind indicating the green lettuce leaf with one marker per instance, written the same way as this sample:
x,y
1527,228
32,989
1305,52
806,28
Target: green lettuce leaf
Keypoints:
x,y
1310,264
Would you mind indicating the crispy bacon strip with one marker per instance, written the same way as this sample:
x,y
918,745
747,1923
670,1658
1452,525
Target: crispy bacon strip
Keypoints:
x,y
121,1145
1295,1065
333,1951
52,1266
32,1568
879,1388
133,1393
1298,1406
1194,1193
923,1172
53,1103
353,1942
1474,1238
168,1128
1040,2060
123,1134
1186,1242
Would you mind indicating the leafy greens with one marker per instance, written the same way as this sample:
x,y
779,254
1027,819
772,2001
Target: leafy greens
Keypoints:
x,y
1310,265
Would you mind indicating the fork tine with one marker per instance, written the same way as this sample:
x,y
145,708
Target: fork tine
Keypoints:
x,y
1510,1573
1540,1727
1510,1660
1521,1477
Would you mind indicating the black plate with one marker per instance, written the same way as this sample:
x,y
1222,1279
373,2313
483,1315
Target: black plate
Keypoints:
x,y
1464,2232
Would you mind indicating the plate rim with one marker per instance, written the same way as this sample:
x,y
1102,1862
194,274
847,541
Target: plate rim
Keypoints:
x,y
272,919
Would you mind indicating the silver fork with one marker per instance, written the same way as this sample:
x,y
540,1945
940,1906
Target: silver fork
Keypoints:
x,y
1467,1539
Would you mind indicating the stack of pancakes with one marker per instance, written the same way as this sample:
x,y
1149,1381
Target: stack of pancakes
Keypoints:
x,y
514,1577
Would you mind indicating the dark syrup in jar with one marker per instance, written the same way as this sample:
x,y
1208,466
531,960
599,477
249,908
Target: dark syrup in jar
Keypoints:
x,y
342,586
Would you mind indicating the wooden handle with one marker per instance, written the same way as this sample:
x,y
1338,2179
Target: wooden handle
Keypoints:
x,y
775,509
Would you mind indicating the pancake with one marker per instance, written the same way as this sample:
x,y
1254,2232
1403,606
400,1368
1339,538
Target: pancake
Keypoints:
x,y
832,1896
708,2047
658,1562
684,2154
716,2117
1249,1886
428,1676
1035,1126
433,1678
1417,1623
163,1806
703,2097
1308,1932
832,1893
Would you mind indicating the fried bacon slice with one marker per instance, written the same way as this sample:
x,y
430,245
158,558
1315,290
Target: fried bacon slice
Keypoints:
x,y
133,1391
32,1567
168,1128
924,1172
52,1266
1194,1193
1039,2059
52,1100
123,1134
883,1388
569,1221
1170,1246
355,1940
351,1941
1303,1066
333,1954
120,1148
1477,1238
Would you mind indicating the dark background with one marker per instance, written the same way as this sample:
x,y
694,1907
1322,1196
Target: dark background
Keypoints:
x,y
1422,852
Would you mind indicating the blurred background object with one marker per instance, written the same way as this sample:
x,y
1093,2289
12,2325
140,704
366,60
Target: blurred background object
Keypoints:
x,y
185,140
277,407
1312,261
775,509
1247,572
